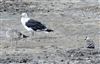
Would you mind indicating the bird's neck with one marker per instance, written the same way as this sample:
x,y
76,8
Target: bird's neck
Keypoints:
x,y
24,19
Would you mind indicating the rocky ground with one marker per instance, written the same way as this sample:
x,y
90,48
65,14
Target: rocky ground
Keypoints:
x,y
71,22
50,55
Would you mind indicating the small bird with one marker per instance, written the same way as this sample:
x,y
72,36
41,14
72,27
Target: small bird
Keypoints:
x,y
89,43
14,35
33,25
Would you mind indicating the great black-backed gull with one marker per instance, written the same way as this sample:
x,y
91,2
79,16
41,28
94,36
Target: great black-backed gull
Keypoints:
x,y
33,25
89,43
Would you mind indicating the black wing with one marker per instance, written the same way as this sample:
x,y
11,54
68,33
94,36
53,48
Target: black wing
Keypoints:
x,y
35,25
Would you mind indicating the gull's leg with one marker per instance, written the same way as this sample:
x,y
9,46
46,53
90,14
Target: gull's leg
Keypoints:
x,y
31,34
15,45
11,44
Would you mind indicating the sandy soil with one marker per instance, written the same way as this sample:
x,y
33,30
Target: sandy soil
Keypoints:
x,y
71,22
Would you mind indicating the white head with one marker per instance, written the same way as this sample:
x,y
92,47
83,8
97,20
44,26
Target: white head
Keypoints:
x,y
24,15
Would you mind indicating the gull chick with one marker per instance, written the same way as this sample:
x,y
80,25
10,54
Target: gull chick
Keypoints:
x,y
89,43
14,35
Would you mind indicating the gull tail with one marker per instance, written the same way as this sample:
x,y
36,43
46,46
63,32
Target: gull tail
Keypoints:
x,y
49,30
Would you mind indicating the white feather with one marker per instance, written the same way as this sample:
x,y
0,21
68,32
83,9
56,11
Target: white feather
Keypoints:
x,y
25,19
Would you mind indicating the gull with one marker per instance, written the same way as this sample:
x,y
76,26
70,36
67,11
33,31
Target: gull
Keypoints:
x,y
14,35
89,43
32,25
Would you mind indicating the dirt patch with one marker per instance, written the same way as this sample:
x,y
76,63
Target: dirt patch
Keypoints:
x,y
52,54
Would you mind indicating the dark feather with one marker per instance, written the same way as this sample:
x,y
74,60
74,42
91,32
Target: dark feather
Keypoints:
x,y
49,30
35,25
24,36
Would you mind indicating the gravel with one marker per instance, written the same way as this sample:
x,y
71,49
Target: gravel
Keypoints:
x,y
85,14
54,55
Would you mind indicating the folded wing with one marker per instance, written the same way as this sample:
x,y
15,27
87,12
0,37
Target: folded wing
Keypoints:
x,y
35,25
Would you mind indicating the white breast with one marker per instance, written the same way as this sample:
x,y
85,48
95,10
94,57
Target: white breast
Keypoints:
x,y
23,21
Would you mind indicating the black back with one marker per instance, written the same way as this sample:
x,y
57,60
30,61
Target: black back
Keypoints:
x,y
35,25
